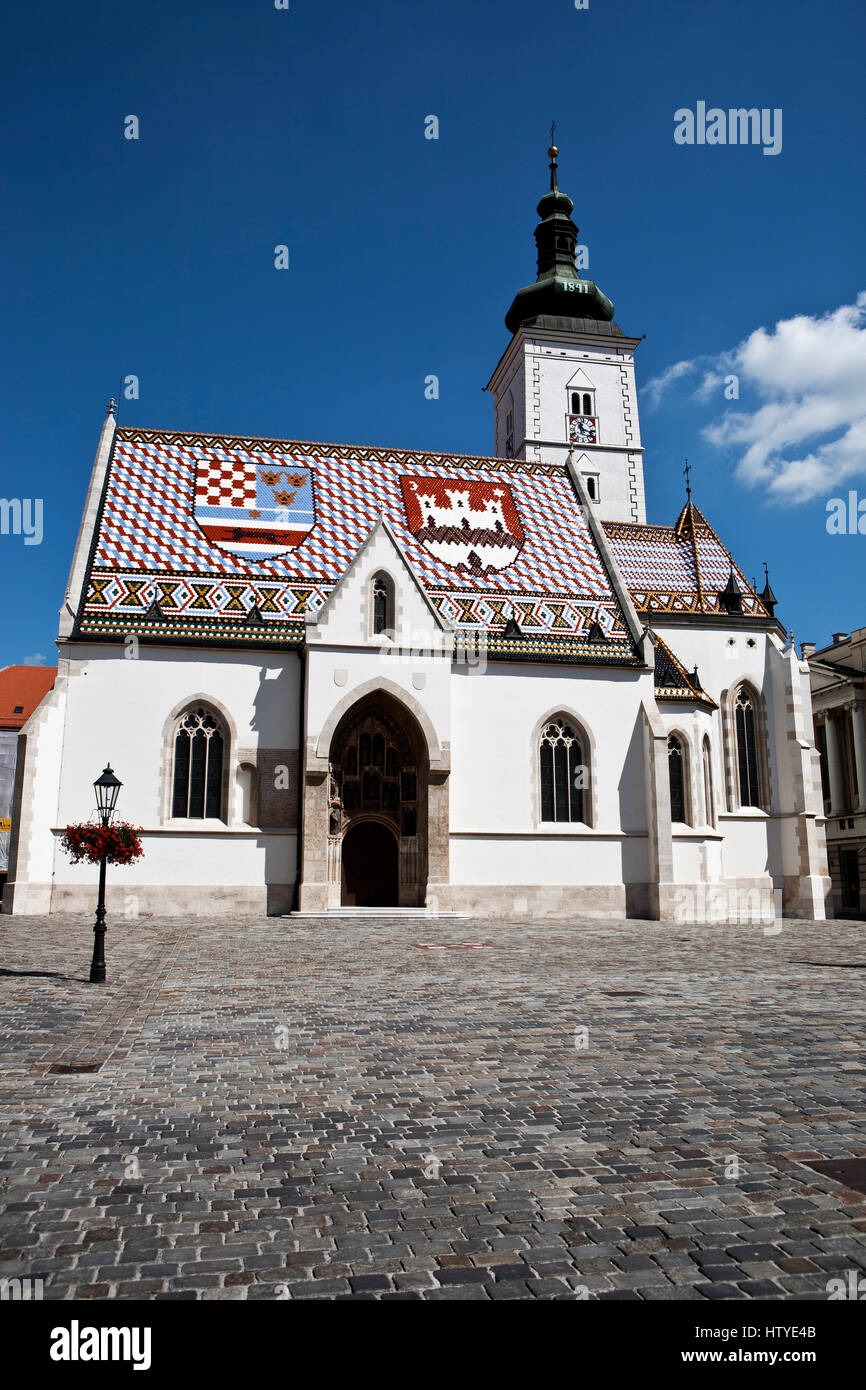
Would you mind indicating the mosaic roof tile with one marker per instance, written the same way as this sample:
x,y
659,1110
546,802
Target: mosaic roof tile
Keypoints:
x,y
677,569
674,682
211,526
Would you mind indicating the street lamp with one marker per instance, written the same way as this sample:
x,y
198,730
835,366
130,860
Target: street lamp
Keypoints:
x,y
107,788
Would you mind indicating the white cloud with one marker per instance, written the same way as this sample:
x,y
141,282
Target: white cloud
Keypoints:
x,y
37,659
807,434
656,388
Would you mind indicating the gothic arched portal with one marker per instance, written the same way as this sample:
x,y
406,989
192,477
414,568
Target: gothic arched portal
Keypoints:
x,y
378,773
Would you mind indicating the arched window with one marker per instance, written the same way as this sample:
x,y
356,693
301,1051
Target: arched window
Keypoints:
x,y
678,779
248,787
746,735
509,427
563,771
383,604
197,782
583,403
709,799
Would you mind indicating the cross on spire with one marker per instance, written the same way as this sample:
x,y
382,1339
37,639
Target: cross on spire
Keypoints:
x,y
688,472
552,154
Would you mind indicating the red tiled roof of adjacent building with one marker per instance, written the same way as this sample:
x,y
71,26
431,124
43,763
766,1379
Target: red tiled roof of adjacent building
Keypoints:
x,y
21,690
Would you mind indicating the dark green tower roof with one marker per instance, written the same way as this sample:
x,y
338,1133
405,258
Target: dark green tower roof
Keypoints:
x,y
559,292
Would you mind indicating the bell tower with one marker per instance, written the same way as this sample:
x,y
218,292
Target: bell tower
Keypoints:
x,y
566,381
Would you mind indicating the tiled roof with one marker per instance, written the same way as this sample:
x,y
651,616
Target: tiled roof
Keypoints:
x,y
673,681
677,569
211,525
21,690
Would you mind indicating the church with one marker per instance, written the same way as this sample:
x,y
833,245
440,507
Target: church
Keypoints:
x,y
334,678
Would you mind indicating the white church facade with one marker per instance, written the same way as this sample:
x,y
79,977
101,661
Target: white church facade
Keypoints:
x,y
334,676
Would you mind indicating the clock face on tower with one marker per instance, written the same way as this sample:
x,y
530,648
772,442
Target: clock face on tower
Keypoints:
x,y
582,429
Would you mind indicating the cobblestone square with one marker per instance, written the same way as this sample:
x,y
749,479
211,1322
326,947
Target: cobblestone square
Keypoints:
x,y
431,1109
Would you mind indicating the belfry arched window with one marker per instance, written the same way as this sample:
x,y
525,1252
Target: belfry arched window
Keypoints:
x,y
197,779
583,403
563,772
678,778
382,593
746,735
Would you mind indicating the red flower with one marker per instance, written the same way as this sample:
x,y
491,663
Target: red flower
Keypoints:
x,y
119,843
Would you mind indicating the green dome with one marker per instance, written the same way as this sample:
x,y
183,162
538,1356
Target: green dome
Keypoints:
x,y
559,291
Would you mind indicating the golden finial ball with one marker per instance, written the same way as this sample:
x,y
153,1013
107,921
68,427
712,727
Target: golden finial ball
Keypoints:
x,y
552,152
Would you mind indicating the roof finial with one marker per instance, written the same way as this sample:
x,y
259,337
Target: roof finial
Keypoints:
x,y
112,406
552,154
688,472
767,597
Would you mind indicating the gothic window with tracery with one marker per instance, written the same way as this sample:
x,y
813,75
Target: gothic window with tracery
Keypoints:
x,y
678,779
746,733
563,773
197,783
709,799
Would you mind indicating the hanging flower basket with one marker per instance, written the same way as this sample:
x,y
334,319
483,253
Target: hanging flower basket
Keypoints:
x,y
119,843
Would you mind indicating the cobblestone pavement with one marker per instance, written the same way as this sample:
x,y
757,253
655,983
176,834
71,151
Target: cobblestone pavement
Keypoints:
x,y
316,1109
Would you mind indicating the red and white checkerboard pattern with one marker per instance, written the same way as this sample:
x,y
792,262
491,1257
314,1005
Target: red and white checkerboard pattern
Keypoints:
x,y
218,484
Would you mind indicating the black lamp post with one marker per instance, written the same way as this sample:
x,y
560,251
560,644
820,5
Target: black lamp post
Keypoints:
x,y
107,788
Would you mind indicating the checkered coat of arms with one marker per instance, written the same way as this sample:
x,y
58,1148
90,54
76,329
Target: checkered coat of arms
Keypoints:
x,y
255,506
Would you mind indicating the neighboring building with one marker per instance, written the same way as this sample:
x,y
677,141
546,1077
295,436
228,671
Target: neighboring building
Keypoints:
x,y
334,675
21,690
838,677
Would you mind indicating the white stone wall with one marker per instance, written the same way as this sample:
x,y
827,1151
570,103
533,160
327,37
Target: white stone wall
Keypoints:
x,y
8,758
112,709
536,370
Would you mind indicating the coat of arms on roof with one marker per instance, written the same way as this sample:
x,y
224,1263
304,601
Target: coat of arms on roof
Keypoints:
x,y
470,525
256,506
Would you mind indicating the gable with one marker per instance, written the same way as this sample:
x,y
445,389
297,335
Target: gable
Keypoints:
x,y
346,617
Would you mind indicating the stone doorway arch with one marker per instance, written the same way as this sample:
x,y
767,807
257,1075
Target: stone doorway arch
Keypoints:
x,y
378,772
331,803
370,867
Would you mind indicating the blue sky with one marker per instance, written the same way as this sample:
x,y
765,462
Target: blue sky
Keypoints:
x,y
305,127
